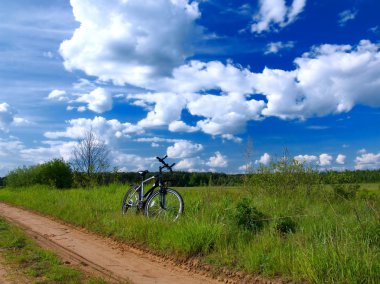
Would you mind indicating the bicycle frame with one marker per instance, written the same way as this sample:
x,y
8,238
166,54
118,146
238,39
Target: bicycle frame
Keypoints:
x,y
158,183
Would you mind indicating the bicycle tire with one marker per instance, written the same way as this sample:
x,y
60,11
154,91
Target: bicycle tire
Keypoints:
x,y
131,201
171,208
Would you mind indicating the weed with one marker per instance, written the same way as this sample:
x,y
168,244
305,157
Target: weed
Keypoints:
x,y
286,225
248,217
346,191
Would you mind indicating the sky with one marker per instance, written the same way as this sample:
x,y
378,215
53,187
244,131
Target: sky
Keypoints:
x,y
196,80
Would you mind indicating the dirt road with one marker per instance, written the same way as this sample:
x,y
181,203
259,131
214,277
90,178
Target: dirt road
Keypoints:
x,y
113,261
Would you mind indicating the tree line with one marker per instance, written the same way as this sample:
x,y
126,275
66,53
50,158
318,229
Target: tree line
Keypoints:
x,y
59,174
90,167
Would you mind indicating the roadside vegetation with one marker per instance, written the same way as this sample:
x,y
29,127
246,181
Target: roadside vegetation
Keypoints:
x,y
283,221
35,264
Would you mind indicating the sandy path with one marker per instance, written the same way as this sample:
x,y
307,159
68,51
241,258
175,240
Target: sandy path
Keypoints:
x,y
117,263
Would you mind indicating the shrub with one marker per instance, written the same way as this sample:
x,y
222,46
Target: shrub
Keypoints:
x,y
248,216
286,225
346,191
56,173
285,175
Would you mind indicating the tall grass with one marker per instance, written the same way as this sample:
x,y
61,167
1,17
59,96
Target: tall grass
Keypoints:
x,y
336,240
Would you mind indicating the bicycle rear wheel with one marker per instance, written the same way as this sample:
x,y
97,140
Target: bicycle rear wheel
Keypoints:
x,y
130,202
168,205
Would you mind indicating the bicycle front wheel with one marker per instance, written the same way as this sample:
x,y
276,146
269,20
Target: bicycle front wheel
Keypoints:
x,y
167,204
131,201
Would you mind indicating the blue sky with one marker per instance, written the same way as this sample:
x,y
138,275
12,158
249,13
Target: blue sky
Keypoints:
x,y
191,79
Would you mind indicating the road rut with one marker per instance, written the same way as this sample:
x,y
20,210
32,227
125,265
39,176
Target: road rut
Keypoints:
x,y
115,262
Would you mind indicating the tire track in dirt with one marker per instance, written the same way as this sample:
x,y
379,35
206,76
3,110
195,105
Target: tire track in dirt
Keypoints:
x,y
98,256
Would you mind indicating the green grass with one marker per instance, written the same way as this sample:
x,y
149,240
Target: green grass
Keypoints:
x,y
335,240
38,265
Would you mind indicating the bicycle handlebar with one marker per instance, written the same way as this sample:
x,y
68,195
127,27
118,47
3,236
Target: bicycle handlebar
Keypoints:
x,y
165,164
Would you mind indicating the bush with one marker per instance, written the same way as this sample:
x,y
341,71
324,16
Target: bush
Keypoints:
x,y
248,217
286,225
56,173
346,191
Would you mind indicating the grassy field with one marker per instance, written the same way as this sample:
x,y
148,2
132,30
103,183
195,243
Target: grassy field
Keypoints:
x,y
315,236
35,264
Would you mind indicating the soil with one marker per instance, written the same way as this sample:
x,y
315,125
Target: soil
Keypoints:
x,y
115,262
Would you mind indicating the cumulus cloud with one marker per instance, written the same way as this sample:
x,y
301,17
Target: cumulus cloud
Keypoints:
x,y
275,14
340,159
276,47
224,114
306,159
99,100
166,110
183,149
180,126
217,161
345,16
247,168
59,95
7,116
329,79
53,149
14,153
130,162
367,161
131,41
325,160
108,130
264,159
231,137
190,164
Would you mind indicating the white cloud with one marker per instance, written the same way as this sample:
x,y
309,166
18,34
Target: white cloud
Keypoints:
x,y
157,139
340,159
131,41
306,158
345,16
246,167
264,159
99,100
190,164
226,114
325,160
6,116
14,153
367,161
232,138
329,79
275,14
131,162
10,147
59,95
183,149
276,47
107,130
167,108
55,149
180,126
362,151
217,161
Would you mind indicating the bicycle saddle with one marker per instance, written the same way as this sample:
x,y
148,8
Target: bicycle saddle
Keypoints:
x,y
143,173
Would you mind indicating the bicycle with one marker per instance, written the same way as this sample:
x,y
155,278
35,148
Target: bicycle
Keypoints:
x,y
165,202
